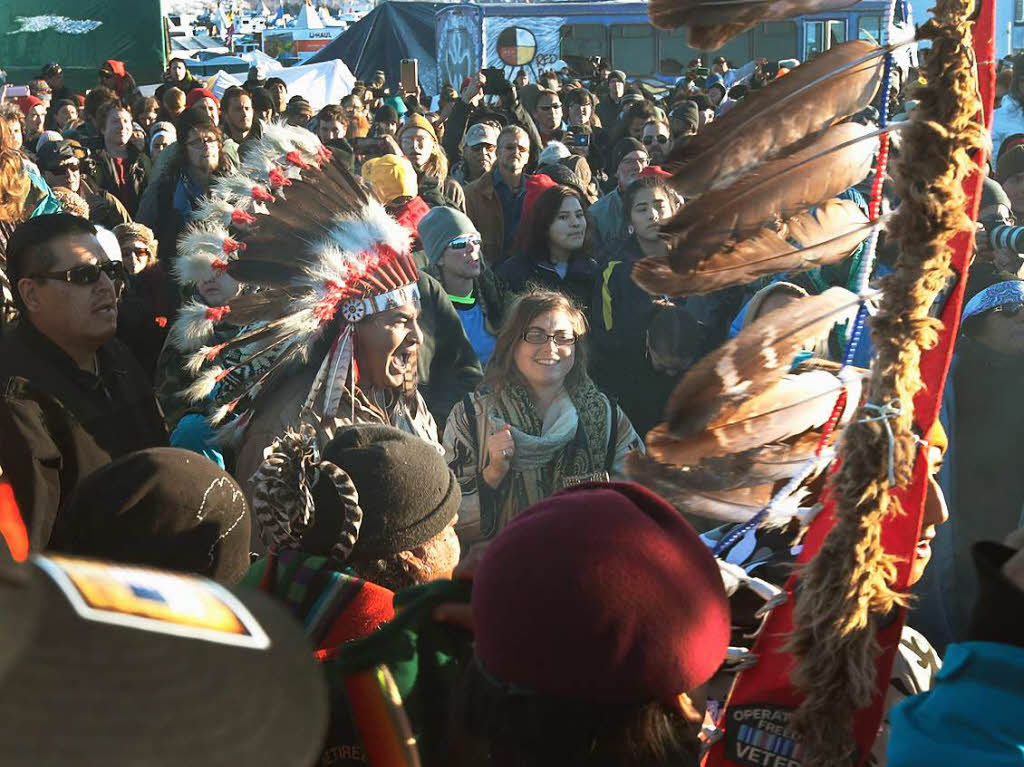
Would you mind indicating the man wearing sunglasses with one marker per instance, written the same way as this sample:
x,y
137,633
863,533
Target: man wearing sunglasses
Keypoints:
x,y
73,397
453,248
62,167
657,140
548,116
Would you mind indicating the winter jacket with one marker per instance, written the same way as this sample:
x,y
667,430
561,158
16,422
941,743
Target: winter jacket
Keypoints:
x,y
448,367
60,422
621,312
490,292
521,272
484,209
104,209
436,193
972,715
606,219
136,175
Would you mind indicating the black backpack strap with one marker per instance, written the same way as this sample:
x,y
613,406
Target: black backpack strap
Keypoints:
x,y
467,404
609,460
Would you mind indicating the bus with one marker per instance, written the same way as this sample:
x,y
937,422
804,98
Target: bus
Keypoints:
x,y
537,36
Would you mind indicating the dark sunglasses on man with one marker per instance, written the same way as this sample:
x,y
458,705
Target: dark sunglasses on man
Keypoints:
x,y
648,140
549,107
86,274
68,167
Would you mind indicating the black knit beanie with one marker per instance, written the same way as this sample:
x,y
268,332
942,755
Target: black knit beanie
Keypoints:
x,y
163,507
624,146
406,490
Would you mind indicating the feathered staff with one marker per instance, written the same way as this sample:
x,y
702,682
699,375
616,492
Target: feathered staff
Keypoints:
x,y
857,578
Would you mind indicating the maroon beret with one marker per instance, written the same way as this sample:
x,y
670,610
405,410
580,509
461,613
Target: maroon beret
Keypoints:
x,y
601,593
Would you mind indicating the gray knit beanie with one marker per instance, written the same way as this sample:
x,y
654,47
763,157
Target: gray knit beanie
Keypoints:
x,y
439,227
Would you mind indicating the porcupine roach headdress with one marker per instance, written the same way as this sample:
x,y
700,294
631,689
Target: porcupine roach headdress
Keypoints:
x,y
294,223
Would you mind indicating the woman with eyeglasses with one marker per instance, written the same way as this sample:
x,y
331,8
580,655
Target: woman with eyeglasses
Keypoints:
x,y
537,424
556,250
452,246
187,169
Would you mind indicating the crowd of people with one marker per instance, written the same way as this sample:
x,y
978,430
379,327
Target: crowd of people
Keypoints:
x,y
424,470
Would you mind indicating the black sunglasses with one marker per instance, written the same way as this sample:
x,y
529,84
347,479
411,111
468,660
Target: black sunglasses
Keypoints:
x,y
549,107
86,274
648,140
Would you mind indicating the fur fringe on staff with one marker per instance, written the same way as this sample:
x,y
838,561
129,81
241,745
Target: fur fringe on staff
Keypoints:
x,y
848,587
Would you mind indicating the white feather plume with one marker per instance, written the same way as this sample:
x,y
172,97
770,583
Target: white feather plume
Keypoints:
x,y
192,328
204,384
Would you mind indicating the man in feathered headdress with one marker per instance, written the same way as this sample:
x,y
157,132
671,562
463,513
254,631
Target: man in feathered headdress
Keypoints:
x,y
331,336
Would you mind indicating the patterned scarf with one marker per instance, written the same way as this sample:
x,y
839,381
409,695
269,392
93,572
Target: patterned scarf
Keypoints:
x,y
574,446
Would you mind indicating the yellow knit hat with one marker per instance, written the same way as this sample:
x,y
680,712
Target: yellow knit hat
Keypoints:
x,y
390,176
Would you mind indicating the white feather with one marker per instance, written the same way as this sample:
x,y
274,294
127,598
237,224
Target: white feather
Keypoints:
x,y
236,187
195,267
207,238
192,328
215,209
198,360
220,414
204,384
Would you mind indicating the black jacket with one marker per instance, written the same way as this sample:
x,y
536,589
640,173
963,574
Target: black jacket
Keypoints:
x,y
521,272
59,422
136,172
448,366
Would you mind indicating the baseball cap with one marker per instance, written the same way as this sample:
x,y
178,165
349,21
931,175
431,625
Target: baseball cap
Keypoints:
x,y
617,74
53,154
481,133
51,70
105,664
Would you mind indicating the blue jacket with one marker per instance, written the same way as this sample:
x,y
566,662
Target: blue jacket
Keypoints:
x,y
974,715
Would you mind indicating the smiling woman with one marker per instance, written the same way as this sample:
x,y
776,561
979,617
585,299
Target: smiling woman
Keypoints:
x,y
538,424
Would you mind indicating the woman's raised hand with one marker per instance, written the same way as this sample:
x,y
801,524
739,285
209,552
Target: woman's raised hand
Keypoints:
x,y
500,449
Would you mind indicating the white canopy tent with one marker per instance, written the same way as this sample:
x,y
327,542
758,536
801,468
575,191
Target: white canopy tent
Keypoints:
x,y
321,84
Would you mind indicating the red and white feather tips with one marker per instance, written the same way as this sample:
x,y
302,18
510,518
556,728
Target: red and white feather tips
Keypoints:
x,y
365,254
271,164
203,253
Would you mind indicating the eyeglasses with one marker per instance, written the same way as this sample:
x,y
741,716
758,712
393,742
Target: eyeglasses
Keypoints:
x,y
536,337
68,167
140,251
648,140
464,241
549,107
86,274
1010,310
199,143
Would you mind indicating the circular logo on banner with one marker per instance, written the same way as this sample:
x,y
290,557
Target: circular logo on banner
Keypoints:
x,y
516,46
